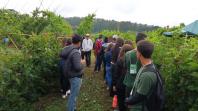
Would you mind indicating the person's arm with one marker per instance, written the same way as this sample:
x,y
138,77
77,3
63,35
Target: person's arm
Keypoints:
x,y
143,88
63,54
137,98
83,45
76,62
91,44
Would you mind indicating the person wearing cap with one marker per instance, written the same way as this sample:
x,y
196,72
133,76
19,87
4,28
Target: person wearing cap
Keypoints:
x,y
87,46
72,56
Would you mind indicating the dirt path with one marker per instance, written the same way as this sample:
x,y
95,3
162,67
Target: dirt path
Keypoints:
x,y
93,96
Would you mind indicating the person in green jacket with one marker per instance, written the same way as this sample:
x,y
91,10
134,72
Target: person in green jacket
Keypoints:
x,y
132,65
145,82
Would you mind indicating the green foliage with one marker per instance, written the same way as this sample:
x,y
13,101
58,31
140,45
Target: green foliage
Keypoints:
x,y
112,25
178,58
28,74
46,22
10,22
126,35
86,25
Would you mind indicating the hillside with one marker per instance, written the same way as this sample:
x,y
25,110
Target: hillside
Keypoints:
x,y
102,24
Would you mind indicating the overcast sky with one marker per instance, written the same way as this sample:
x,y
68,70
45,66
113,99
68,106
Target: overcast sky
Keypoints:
x,y
152,12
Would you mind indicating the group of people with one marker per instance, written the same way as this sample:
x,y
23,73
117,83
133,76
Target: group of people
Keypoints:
x,y
129,72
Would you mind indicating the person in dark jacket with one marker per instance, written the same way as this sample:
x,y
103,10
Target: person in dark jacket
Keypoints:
x,y
102,53
108,58
115,54
145,81
116,49
64,81
74,69
118,77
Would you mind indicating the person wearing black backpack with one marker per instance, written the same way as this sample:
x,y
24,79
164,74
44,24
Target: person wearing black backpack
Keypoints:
x,y
73,69
147,93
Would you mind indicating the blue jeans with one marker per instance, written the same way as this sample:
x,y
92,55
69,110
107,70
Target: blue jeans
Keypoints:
x,y
75,89
108,76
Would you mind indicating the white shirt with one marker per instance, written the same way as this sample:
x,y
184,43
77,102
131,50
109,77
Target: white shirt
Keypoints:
x,y
87,45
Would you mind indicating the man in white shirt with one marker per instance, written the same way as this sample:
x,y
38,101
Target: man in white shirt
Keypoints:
x,y
87,46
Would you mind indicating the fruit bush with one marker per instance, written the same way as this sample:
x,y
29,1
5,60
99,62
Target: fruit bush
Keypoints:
x,y
178,58
28,74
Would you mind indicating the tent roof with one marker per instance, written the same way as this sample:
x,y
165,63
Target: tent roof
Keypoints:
x,y
168,34
191,28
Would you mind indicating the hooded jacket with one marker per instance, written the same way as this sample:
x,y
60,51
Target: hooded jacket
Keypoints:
x,y
74,64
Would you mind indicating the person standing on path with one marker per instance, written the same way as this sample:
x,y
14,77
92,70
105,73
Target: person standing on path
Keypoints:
x,y
115,53
98,46
102,53
87,46
147,91
132,65
64,81
119,75
73,69
108,58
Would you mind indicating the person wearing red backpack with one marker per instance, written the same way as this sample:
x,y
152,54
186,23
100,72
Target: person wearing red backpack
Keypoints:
x,y
98,46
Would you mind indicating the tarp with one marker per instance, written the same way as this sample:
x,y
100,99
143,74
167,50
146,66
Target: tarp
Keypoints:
x,y
168,34
191,28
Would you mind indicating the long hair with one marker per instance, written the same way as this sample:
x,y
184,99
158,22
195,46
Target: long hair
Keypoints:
x,y
125,48
119,43
110,46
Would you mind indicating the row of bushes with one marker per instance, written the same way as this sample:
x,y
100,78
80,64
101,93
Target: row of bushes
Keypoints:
x,y
27,74
178,58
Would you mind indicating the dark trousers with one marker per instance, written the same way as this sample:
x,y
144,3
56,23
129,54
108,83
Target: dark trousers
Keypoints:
x,y
82,55
121,98
88,58
112,93
104,67
98,63
64,82
65,85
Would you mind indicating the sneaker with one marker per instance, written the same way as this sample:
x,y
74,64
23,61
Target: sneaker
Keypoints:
x,y
64,96
68,92
108,88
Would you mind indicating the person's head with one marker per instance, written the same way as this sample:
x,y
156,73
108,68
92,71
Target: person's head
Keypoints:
x,y
105,40
140,36
119,42
87,36
68,42
76,40
115,37
110,46
129,42
100,37
125,48
144,50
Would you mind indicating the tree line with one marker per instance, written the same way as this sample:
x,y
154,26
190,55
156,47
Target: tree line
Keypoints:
x,y
112,25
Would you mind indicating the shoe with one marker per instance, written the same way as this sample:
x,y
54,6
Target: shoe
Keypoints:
x,y
108,88
68,92
64,96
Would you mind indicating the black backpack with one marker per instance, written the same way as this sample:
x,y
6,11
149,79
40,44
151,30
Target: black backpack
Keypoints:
x,y
155,102
67,64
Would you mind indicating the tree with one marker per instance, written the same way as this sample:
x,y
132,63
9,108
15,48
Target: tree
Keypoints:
x,y
86,25
46,21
